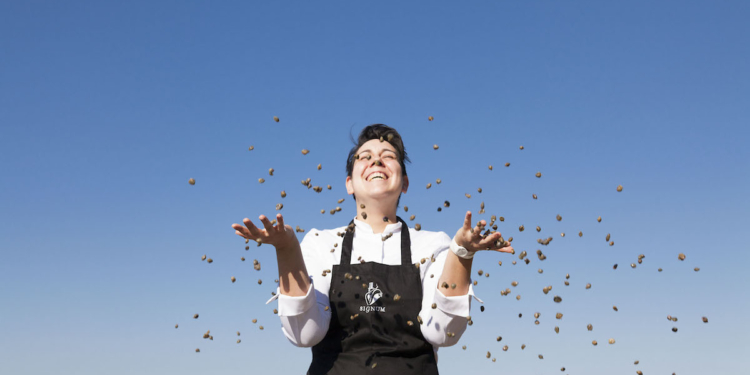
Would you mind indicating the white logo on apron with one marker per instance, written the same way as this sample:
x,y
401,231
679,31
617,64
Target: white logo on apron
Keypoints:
x,y
373,294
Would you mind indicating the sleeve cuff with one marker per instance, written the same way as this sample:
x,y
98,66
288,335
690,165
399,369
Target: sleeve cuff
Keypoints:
x,y
456,305
293,306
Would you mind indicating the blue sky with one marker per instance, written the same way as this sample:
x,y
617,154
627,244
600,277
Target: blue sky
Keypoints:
x,y
106,111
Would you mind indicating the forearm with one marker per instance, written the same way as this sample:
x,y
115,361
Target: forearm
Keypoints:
x,y
455,271
293,277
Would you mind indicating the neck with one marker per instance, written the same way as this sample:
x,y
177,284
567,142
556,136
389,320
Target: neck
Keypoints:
x,y
375,214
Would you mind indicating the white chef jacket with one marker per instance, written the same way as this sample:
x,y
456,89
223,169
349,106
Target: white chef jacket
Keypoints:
x,y
305,319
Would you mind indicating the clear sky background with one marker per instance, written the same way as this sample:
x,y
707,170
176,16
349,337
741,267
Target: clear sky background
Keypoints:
x,y
106,111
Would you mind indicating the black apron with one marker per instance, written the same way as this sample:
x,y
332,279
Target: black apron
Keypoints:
x,y
379,340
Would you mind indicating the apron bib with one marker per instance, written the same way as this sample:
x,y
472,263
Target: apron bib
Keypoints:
x,y
372,332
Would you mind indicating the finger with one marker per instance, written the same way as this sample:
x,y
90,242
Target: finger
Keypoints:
x,y
254,231
266,224
240,230
467,220
507,249
280,219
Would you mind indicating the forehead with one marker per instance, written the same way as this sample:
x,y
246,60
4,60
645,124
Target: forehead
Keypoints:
x,y
375,146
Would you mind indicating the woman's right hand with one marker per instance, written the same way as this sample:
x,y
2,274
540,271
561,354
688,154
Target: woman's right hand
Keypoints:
x,y
280,236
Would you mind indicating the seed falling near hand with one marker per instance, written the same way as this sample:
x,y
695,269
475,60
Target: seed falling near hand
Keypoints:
x,y
191,181
619,188
233,279
681,256
279,206
538,174
305,151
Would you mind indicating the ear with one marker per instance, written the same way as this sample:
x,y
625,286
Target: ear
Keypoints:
x,y
349,185
405,184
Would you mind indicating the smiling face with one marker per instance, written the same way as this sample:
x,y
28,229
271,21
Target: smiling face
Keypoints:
x,y
376,176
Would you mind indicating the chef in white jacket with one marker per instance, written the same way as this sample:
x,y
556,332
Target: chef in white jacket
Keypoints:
x,y
374,296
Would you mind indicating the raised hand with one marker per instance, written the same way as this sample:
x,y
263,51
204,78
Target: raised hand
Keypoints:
x,y
473,239
280,236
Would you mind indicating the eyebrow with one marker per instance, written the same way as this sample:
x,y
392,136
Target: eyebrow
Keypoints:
x,y
385,149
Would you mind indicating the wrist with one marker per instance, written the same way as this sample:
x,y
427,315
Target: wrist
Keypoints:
x,y
461,251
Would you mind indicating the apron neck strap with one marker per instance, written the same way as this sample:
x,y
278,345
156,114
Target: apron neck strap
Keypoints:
x,y
346,246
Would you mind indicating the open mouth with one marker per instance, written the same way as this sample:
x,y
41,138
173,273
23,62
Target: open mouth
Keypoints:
x,y
376,176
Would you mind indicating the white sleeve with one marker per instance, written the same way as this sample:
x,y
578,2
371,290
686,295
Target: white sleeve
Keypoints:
x,y
451,312
305,319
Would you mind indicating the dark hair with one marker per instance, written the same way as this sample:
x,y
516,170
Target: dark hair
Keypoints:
x,y
378,131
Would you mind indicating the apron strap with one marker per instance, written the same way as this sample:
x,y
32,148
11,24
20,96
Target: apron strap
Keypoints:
x,y
346,246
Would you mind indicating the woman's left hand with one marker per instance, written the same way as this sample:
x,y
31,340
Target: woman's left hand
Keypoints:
x,y
472,238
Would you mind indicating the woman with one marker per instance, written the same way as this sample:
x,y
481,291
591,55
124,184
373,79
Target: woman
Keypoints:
x,y
372,296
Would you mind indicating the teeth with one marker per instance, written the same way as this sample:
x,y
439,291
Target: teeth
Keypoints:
x,y
376,175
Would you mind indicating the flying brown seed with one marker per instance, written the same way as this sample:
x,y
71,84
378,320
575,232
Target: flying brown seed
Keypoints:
x,y
681,256
429,185
197,350
468,195
520,229
209,260
705,320
538,174
260,281
521,148
489,355
588,286
614,308
434,305
599,219
195,316
191,181
580,234
412,217
674,329
590,327
479,190
270,171
435,147
538,228
255,320
233,279
533,196
417,227
305,151
278,207
447,204
611,341
438,181
261,180
557,299
203,257
329,187
594,343
251,148
260,328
